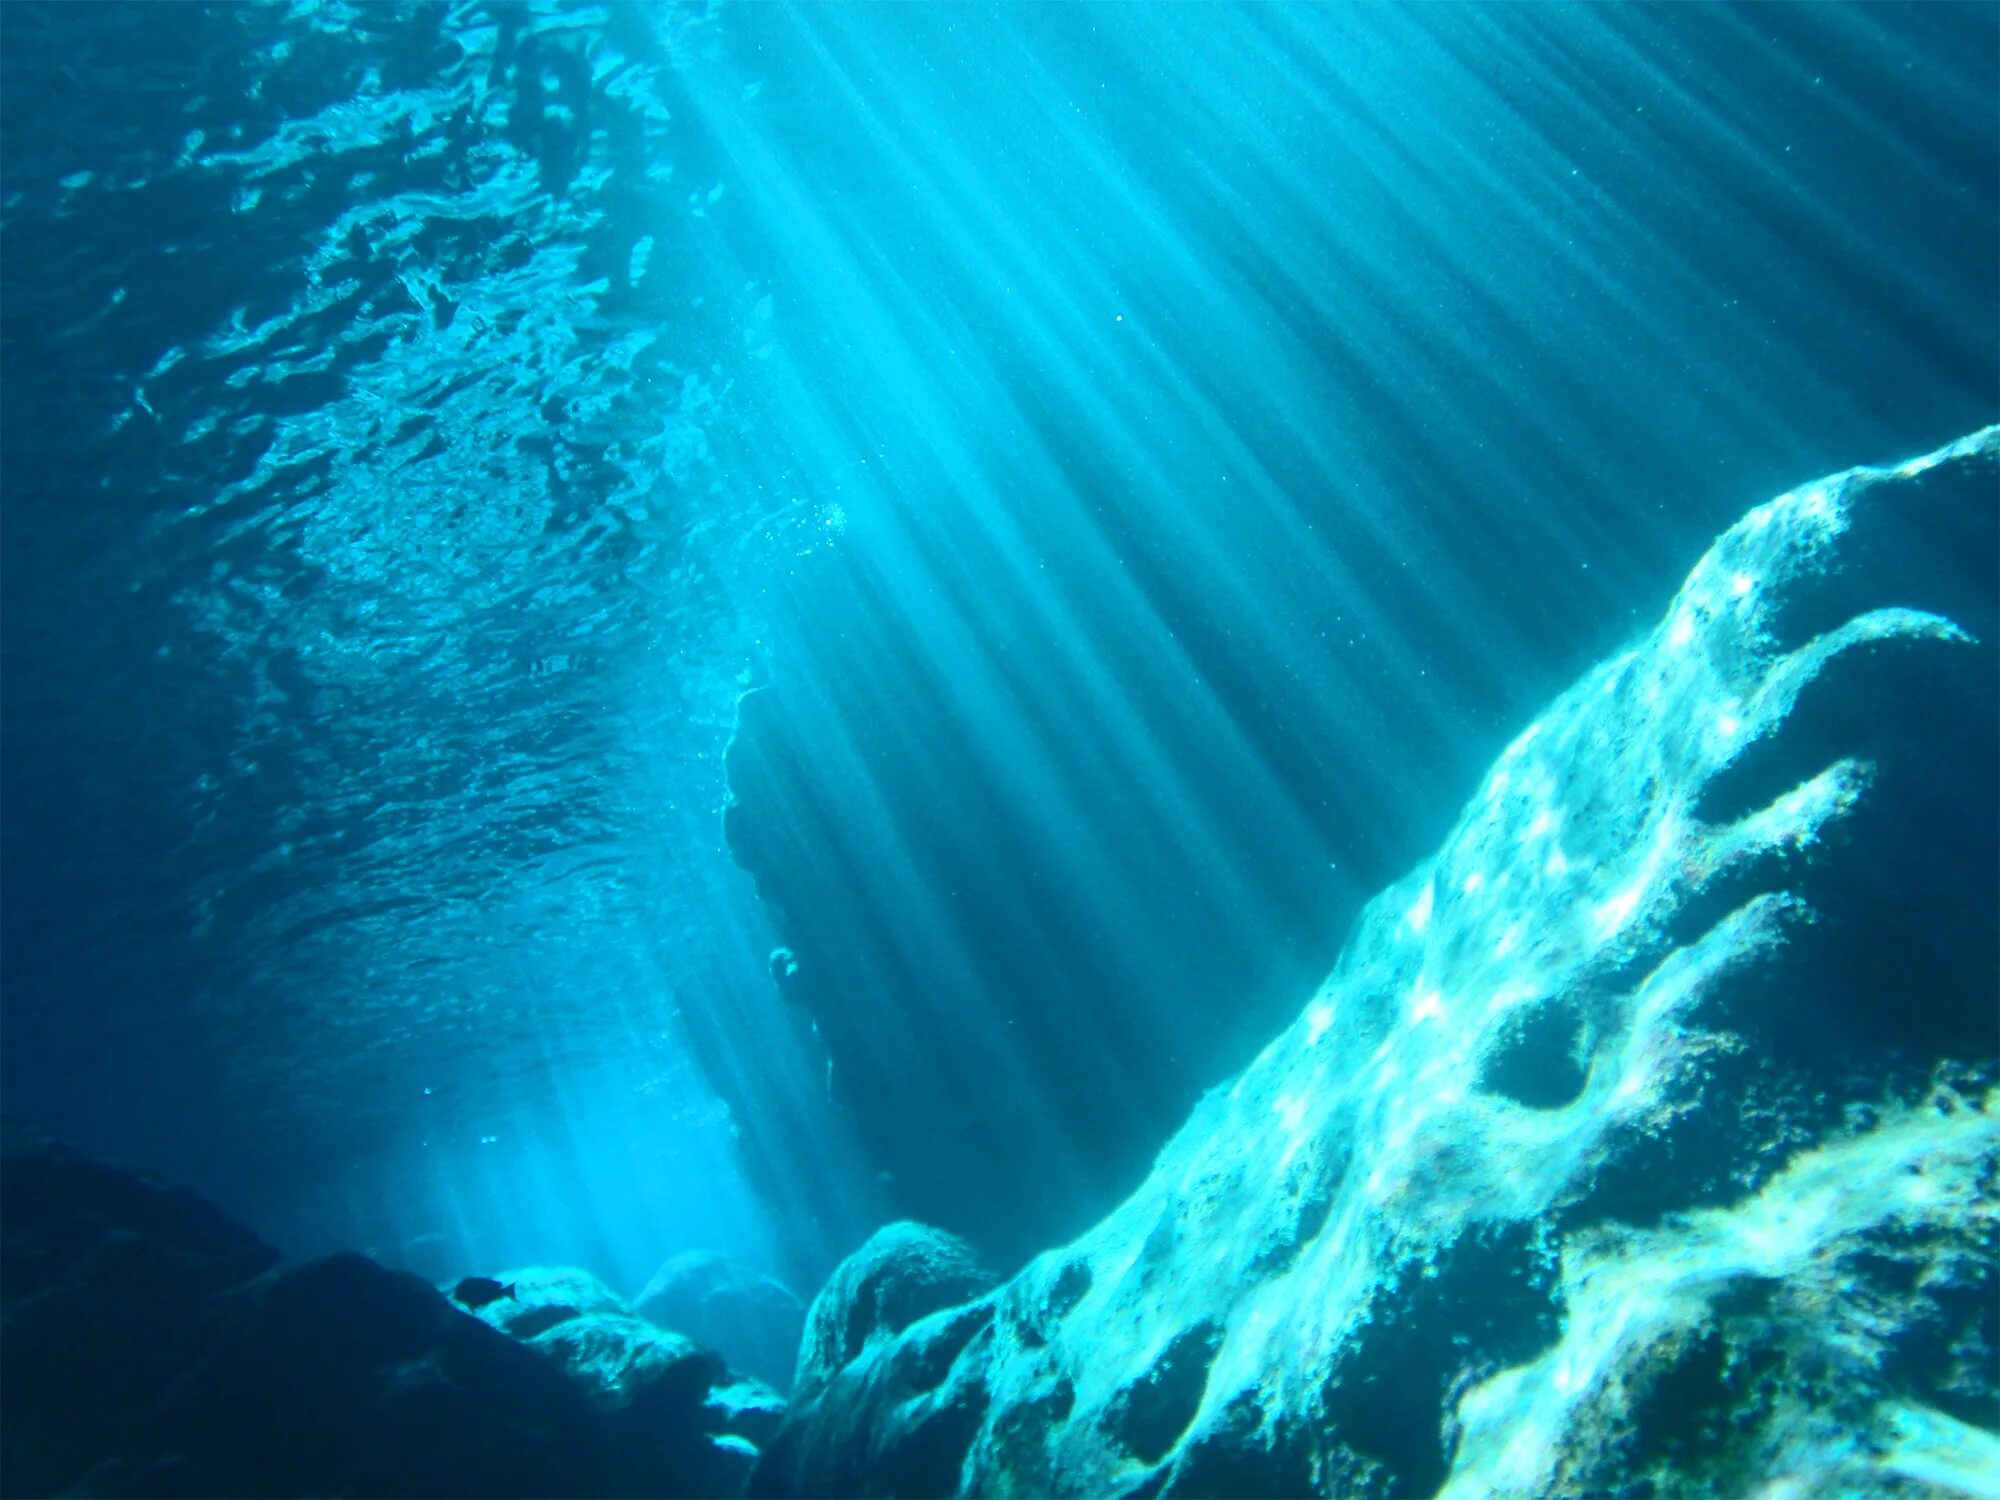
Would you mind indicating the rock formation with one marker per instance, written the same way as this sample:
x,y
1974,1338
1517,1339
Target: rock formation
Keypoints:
x,y
150,1345
1544,1190
676,1415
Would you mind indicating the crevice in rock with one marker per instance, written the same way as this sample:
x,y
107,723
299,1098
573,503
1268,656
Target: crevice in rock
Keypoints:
x,y
1149,1416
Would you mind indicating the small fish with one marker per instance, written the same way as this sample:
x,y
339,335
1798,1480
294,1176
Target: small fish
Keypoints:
x,y
476,1292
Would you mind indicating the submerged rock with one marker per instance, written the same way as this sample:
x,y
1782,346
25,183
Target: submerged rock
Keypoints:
x,y
544,1296
902,1297
681,1421
1389,1259
753,1320
151,1345
339,1376
106,1287
653,1389
904,1272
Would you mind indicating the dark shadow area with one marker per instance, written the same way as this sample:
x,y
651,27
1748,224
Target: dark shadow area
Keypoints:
x,y
1487,1303
1536,1062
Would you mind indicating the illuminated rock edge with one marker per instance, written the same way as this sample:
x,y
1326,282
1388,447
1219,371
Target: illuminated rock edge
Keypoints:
x,y
1219,1331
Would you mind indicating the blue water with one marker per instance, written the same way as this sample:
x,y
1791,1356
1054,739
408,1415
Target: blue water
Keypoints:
x,y
1088,488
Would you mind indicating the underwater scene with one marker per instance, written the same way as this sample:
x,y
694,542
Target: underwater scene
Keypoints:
x,y
1011,749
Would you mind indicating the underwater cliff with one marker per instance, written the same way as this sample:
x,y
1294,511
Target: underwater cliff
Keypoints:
x,y
999,748
1404,1254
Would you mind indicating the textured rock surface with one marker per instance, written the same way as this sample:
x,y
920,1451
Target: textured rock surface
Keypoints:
x,y
1545,1190
903,1273
150,1345
903,1291
752,1320
677,1415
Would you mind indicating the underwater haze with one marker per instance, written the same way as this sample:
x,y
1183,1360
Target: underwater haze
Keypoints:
x,y
634,629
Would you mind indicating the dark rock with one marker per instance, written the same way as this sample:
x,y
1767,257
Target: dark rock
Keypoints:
x,y
57,1203
751,1319
893,1329
623,1362
150,1345
104,1285
653,1389
930,1375
902,1273
681,1421
343,1376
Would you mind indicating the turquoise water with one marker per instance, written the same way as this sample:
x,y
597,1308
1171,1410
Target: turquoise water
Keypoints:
x,y
1088,489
